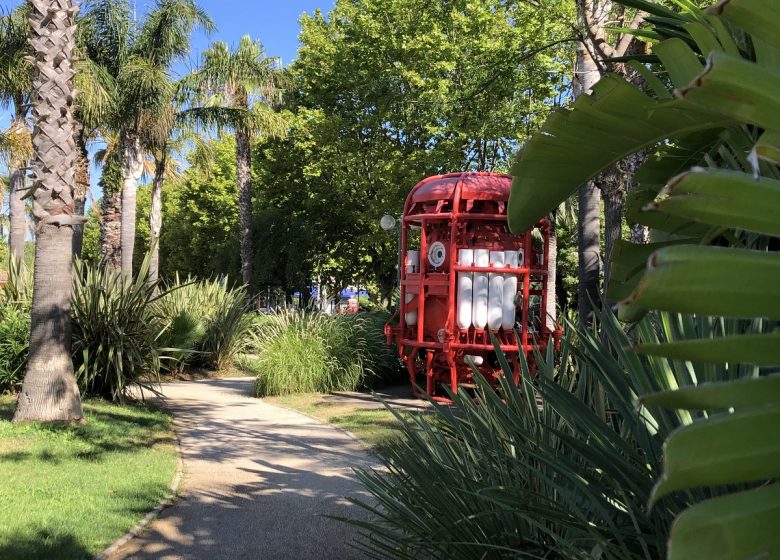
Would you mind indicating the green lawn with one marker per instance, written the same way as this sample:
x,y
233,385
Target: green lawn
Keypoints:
x,y
67,492
375,427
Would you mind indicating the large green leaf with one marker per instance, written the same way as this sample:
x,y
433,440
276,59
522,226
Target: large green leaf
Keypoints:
x,y
758,349
575,144
738,526
760,18
723,449
738,88
708,281
739,393
725,198
679,60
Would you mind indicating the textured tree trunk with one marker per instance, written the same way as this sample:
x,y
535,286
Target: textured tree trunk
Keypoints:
x,y
132,169
110,230
588,233
593,16
49,391
551,312
613,192
244,178
155,220
82,187
18,226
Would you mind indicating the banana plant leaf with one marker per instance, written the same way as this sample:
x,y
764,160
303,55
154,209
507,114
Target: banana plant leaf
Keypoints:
x,y
574,145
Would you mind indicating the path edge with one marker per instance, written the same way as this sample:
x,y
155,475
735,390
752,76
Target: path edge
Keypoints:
x,y
166,501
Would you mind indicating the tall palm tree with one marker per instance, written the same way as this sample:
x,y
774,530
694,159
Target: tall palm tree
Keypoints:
x,y
237,89
139,61
15,84
49,391
144,115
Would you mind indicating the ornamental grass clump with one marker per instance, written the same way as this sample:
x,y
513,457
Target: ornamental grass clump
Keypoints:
x,y
116,331
208,320
14,344
560,466
304,352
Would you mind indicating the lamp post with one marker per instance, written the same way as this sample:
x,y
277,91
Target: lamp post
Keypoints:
x,y
389,223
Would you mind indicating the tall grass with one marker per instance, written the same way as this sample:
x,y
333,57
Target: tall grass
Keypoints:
x,y
302,352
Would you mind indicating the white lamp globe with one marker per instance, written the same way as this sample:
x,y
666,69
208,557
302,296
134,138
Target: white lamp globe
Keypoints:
x,y
387,222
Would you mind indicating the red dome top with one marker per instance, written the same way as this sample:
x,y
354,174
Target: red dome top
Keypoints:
x,y
475,186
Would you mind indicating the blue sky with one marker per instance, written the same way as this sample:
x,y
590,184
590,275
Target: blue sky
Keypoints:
x,y
274,22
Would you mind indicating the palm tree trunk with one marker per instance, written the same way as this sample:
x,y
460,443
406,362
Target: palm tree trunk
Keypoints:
x,y
82,187
155,219
244,178
551,312
593,15
110,236
18,227
49,391
132,169
613,193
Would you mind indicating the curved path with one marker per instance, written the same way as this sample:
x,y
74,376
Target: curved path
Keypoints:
x,y
258,481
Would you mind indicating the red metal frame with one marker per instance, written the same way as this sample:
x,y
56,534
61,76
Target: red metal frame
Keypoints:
x,y
463,210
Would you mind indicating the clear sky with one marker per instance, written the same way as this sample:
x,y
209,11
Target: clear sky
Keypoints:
x,y
274,22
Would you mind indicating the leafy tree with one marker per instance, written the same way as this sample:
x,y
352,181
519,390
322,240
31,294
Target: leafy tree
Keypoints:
x,y
387,92
49,391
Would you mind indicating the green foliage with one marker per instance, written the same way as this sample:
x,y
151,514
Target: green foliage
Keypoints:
x,y
552,468
17,291
116,331
90,248
200,236
207,320
14,343
304,352
711,180
69,491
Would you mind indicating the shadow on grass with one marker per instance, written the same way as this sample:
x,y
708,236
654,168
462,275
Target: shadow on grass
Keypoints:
x,y
109,429
42,544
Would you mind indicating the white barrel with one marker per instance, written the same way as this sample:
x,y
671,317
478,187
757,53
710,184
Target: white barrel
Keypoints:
x,y
510,291
412,265
465,288
479,314
496,289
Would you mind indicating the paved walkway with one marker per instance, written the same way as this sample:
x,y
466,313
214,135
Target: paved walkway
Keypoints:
x,y
258,480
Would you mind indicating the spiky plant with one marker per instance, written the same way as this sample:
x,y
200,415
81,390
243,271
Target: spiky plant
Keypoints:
x,y
49,391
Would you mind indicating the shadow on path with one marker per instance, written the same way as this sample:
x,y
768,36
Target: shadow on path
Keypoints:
x,y
258,481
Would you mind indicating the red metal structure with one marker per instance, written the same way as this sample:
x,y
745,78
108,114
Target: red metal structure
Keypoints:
x,y
450,224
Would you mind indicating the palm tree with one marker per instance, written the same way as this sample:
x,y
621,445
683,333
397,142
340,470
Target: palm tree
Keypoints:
x,y
237,89
144,115
15,84
49,391
139,62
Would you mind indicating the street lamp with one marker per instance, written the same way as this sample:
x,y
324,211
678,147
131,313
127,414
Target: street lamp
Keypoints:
x,y
389,223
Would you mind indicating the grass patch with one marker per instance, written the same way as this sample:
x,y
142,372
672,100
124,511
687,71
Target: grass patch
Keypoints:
x,y
67,492
376,427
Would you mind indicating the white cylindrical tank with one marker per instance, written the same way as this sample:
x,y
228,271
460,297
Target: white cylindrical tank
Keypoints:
x,y
496,295
412,265
465,288
479,315
510,291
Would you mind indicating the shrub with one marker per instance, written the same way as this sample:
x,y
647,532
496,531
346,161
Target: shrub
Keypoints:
x,y
299,352
561,466
116,331
207,317
14,343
